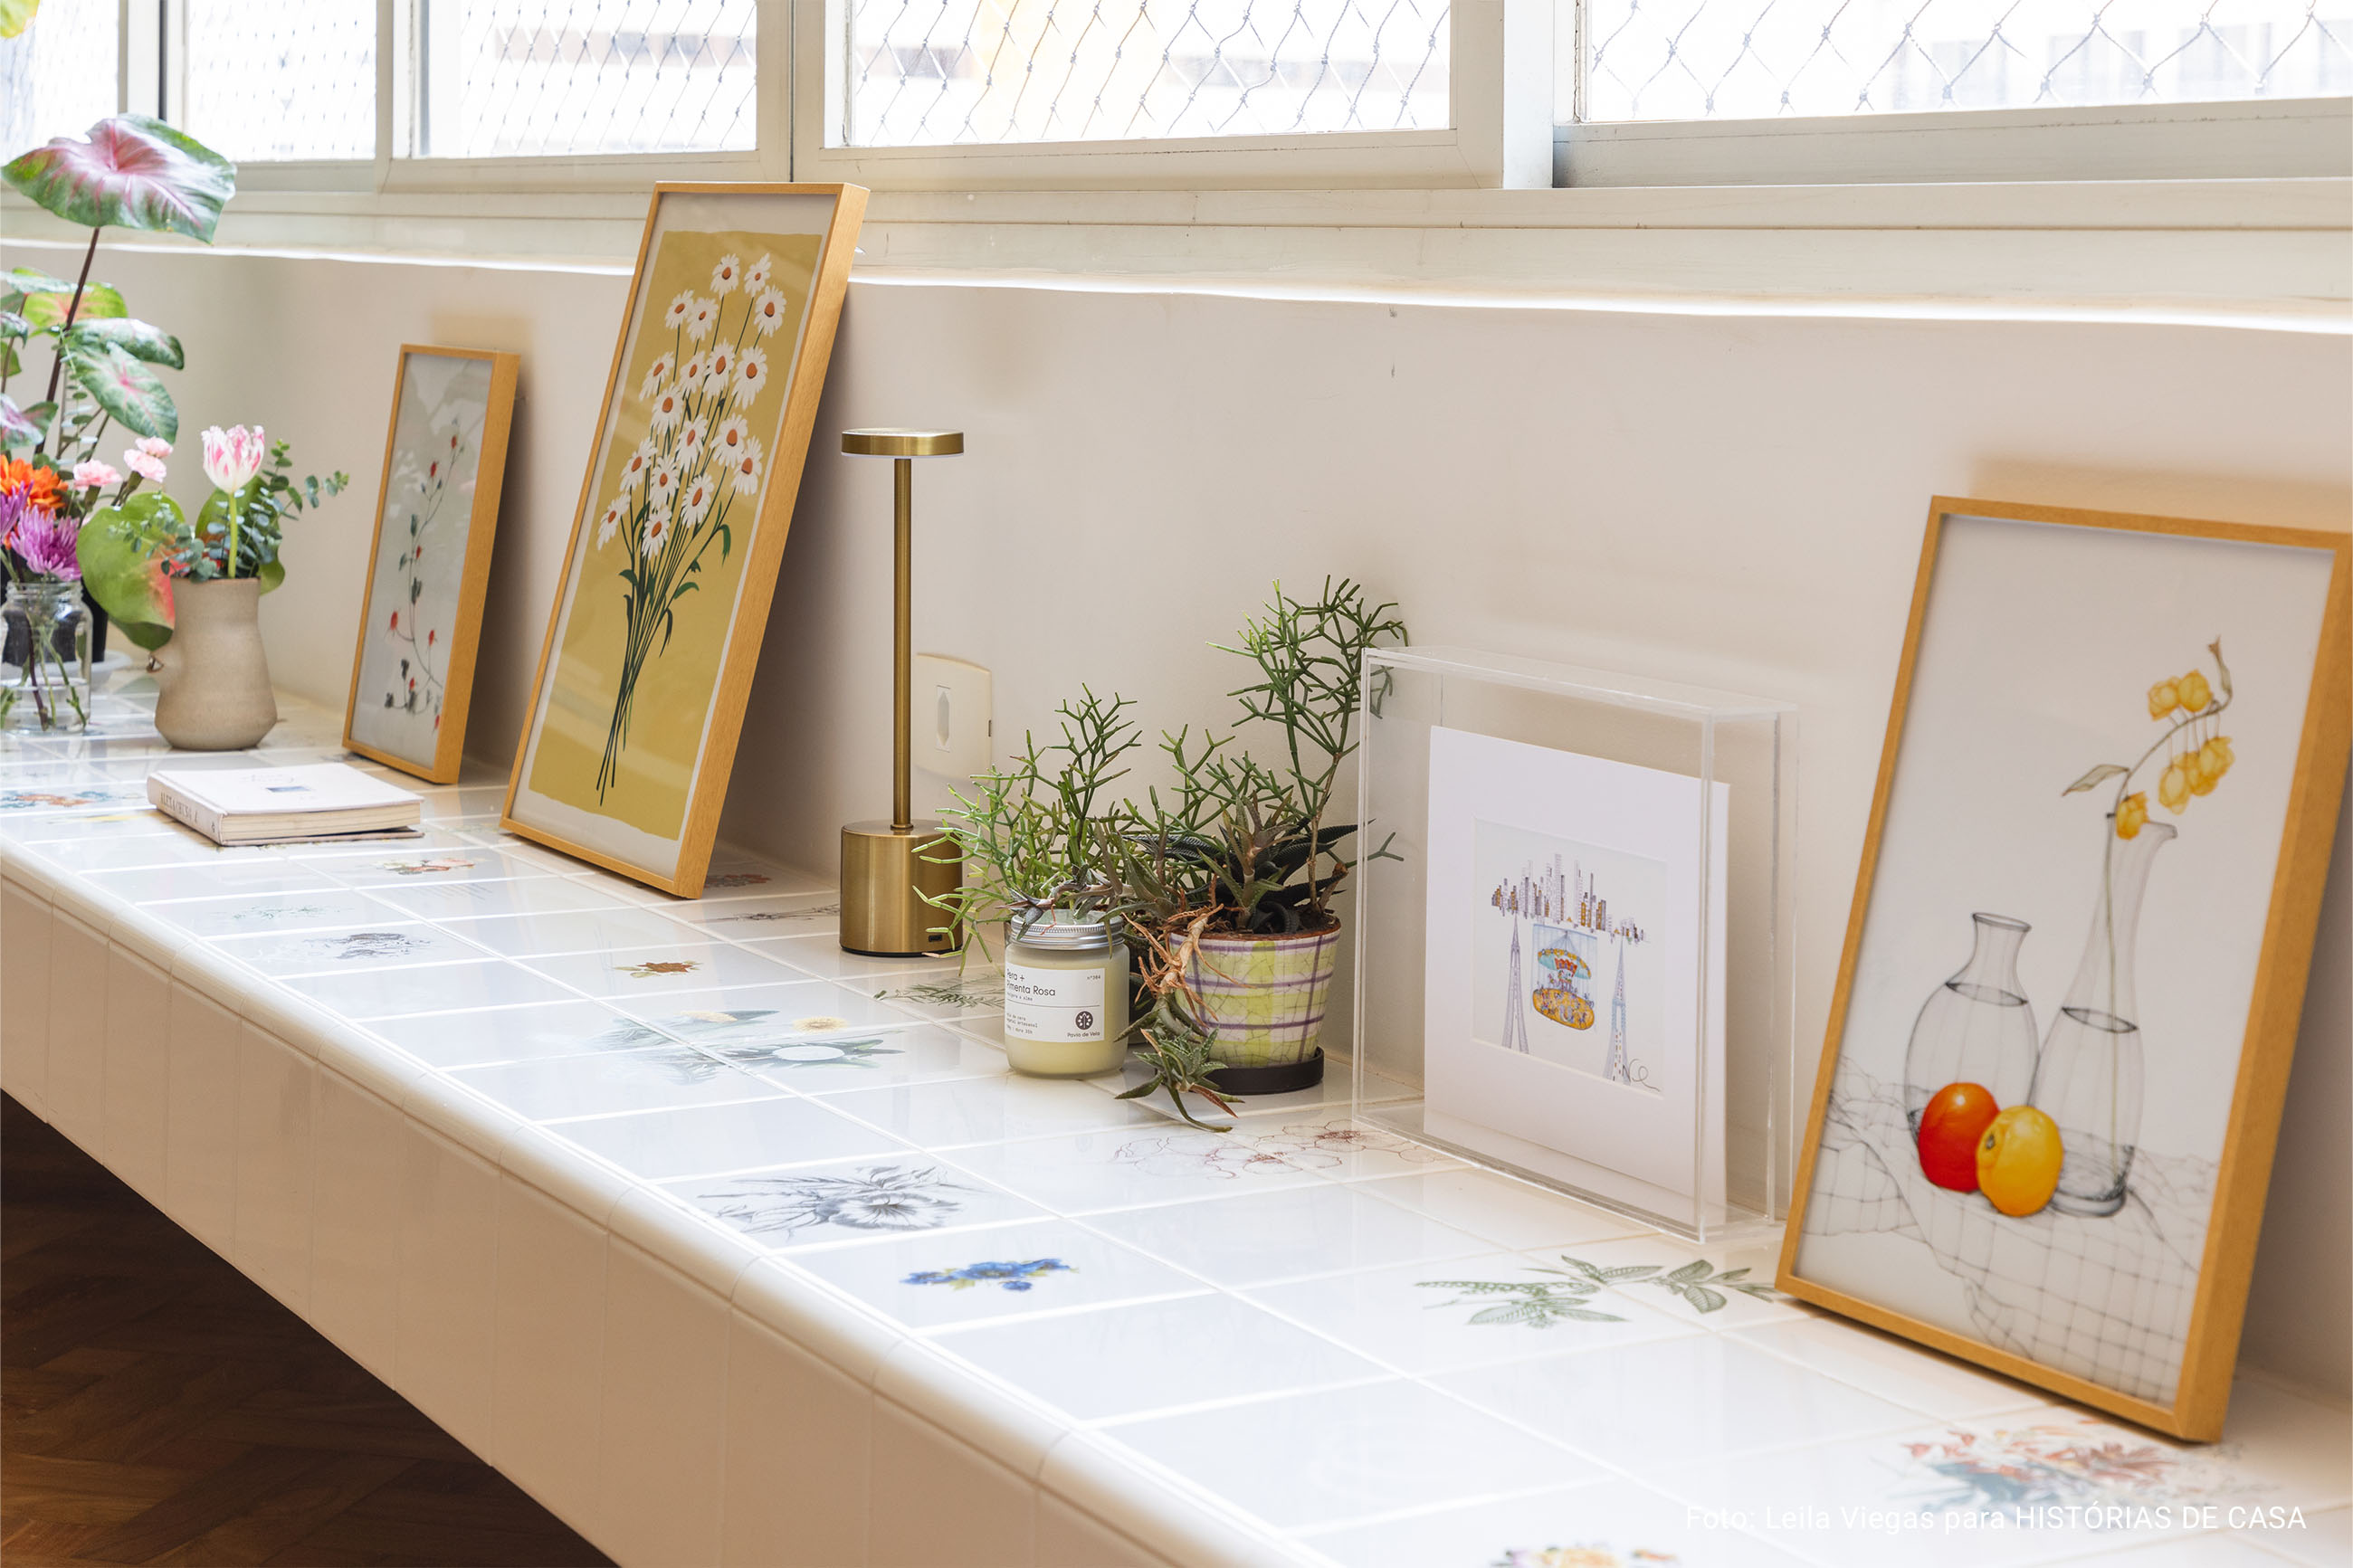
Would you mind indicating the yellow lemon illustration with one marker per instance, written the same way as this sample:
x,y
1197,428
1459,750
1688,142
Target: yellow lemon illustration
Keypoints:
x,y
2132,814
2193,691
2018,1161
2173,789
2163,698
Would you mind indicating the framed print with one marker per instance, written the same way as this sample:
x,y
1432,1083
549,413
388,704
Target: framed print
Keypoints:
x,y
1564,930
680,527
2044,1123
436,511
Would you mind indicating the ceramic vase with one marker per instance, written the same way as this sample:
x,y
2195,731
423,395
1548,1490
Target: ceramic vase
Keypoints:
x,y
1264,999
212,679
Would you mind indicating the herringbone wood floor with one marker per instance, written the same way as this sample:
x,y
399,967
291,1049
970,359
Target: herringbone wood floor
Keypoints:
x,y
157,1406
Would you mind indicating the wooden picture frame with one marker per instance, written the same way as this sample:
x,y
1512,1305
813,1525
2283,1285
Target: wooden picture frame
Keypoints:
x,y
2034,624
693,475
462,399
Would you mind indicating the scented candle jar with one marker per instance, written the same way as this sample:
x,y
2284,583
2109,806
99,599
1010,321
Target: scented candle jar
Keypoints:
x,y
1065,997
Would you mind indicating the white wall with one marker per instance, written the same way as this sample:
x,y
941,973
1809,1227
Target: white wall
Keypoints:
x,y
1728,498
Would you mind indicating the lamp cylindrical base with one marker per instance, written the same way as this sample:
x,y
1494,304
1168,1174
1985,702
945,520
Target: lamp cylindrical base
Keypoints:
x,y
884,875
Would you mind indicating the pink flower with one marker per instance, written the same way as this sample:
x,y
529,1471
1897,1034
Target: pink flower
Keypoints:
x,y
153,446
233,456
46,542
94,474
147,465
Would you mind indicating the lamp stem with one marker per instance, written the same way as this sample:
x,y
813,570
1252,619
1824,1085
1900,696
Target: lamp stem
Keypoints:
x,y
902,815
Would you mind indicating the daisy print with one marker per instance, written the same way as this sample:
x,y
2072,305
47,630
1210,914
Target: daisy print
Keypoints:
x,y
690,446
733,434
656,373
744,467
667,407
635,466
609,524
752,374
761,270
695,502
767,313
725,276
679,309
690,375
661,485
701,318
656,528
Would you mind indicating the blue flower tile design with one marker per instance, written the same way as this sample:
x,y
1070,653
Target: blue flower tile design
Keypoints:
x,y
1010,1276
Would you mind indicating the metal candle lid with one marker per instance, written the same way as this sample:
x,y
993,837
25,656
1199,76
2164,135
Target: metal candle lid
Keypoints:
x,y
1067,930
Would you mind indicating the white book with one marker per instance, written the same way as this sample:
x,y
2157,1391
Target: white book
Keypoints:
x,y
263,805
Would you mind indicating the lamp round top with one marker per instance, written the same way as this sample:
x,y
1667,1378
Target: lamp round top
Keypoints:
x,y
897,443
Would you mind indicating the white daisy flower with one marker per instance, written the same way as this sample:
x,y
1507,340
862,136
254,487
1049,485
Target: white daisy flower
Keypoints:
x,y
690,446
700,317
752,375
661,485
733,434
690,373
726,276
657,530
668,406
717,367
636,465
744,466
609,524
695,502
761,270
769,312
656,373
679,309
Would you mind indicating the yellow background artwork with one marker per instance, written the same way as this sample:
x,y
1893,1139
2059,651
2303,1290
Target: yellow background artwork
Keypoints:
x,y
678,677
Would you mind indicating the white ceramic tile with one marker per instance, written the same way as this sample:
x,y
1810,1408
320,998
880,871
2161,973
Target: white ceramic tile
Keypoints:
x,y
1430,1318
798,1445
570,1028
716,1140
2325,1541
814,1007
1126,1167
200,1131
77,1017
439,898
138,1071
388,943
442,1359
1601,1524
2206,1548
1509,1212
1661,1405
436,988
1881,1364
247,879
547,1393
1333,1144
988,1110
734,873
20,803
355,1218
616,928
1257,1237
635,971
1379,1448
249,916
759,915
973,997
823,956
274,1088
444,802
97,850
661,1416
938,1502
1708,1286
1160,1356
565,1087
852,1199
840,1063
2296,1446
400,867
999,1272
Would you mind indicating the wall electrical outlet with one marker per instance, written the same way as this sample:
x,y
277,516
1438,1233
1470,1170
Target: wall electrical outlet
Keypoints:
x,y
953,717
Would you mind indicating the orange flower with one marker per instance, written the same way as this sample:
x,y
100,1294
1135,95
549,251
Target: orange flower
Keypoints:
x,y
39,485
2132,814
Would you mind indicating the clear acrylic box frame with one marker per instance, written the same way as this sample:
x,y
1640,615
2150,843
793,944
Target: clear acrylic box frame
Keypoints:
x,y
1747,743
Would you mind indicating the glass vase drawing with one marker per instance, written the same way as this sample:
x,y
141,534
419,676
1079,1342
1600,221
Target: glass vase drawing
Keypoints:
x,y
1976,1027
2090,1080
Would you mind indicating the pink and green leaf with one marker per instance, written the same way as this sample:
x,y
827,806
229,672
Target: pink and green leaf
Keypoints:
x,y
132,172
126,389
136,338
99,302
24,427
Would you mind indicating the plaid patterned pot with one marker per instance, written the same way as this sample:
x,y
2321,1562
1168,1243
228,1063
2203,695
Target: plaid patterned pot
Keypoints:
x,y
1264,995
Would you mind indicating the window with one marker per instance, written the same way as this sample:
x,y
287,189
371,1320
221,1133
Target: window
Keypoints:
x,y
267,80
60,77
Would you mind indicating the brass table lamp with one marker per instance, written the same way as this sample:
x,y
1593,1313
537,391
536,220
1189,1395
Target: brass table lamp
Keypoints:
x,y
888,866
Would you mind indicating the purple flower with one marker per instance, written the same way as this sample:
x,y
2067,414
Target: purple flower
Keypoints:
x,y
46,542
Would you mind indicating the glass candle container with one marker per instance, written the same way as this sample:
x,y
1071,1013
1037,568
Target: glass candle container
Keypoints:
x,y
1065,997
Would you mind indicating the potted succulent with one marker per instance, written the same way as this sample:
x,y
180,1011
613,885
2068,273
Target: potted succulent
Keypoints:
x,y
1228,883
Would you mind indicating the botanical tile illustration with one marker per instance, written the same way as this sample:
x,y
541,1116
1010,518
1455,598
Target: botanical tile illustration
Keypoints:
x,y
1567,1296
970,999
1323,1146
654,967
880,1197
735,879
1585,1556
1007,1276
427,868
266,913
2053,1464
66,800
350,945
1182,1154
765,916
735,1037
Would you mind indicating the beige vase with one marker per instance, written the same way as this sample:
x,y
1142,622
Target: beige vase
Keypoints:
x,y
213,676
1265,997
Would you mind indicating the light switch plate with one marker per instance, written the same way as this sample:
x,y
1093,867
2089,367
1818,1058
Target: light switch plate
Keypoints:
x,y
953,716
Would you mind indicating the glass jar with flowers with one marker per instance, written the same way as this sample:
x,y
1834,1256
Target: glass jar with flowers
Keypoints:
x,y
47,643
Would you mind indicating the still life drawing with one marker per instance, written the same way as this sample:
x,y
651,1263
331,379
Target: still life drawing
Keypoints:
x,y
1552,953
443,467
2022,1138
680,530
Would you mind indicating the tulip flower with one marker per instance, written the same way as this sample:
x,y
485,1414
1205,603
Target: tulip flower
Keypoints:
x,y
233,456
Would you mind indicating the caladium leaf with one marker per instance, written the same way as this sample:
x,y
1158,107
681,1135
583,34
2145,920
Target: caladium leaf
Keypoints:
x,y
127,390
120,550
99,302
13,325
15,15
24,427
133,172
136,338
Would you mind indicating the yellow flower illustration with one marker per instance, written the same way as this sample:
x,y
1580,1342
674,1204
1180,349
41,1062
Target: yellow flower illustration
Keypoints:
x,y
2131,813
2173,789
2194,692
2163,698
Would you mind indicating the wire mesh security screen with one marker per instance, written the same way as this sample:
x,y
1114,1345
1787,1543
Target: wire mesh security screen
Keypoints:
x,y
511,77
1698,59
57,77
934,72
269,79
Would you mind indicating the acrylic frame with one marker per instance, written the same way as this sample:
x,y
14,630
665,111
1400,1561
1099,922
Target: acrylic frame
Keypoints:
x,y
2311,794
481,526
822,278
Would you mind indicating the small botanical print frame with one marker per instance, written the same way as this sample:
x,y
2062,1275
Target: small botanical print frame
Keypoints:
x,y
2130,733
445,455
675,547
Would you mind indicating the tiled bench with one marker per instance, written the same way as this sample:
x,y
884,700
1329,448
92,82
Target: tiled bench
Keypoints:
x,y
730,1247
